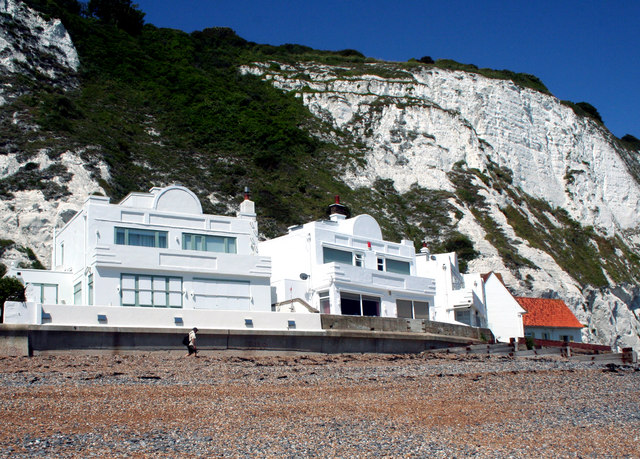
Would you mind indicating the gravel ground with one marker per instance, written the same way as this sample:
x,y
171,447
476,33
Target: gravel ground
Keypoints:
x,y
163,405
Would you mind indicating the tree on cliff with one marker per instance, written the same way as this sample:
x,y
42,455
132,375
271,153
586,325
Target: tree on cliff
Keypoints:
x,y
121,13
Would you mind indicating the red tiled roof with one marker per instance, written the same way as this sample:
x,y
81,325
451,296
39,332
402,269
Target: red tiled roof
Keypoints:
x,y
545,312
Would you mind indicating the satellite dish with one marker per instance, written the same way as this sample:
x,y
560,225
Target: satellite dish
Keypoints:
x,y
304,276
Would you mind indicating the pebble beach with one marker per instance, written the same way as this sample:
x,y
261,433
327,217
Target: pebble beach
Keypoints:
x,y
161,404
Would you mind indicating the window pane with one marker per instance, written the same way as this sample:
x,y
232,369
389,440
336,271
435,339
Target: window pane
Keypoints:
x,y
159,283
120,236
175,284
159,299
162,240
144,282
337,256
463,316
231,244
186,241
370,306
215,244
144,297
128,297
404,309
421,309
398,267
175,299
350,304
128,281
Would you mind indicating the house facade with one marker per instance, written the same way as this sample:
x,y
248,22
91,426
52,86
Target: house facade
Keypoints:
x,y
459,297
344,266
550,319
154,250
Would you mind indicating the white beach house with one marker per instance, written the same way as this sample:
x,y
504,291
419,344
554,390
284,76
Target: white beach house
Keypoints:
x,y
344,266
155,250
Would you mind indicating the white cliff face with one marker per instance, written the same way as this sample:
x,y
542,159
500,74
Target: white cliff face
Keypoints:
x,y
418,125
29,219
28,42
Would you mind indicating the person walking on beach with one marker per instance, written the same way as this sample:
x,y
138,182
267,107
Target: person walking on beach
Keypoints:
x,y
191,345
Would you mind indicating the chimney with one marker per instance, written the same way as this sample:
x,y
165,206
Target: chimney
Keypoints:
x,y
247,207
337,211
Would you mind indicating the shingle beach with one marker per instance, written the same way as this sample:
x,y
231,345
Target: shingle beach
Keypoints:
x,y
255,405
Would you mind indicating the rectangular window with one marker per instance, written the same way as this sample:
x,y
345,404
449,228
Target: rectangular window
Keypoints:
x,y
325,303
336,256
412,309
380,263
398,267
352,304
90,289
141,237
463,316
202,242
150,291
77,293
358,259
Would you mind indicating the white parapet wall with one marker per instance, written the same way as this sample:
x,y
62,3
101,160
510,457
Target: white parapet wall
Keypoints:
x,y
120,316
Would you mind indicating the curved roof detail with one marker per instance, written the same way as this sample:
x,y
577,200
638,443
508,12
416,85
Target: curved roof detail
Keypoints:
x,y
176,198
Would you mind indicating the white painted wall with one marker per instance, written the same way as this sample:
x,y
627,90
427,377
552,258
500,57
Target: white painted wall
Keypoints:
x,y
554,334
119,316
504,313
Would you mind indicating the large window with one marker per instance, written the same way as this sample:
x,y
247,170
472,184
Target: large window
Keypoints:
x,y
398,267
330,255
352,304
151,291
141,237
208,243
412,309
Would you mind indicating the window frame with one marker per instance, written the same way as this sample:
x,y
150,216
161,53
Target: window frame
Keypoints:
x,y
151,291
230,243
160,238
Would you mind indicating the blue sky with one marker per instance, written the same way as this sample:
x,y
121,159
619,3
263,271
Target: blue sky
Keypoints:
x,y
583,50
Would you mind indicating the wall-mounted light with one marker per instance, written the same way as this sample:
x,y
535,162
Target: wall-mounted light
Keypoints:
x,y
304,276
248,323
291,324
102,317
178,321
444,267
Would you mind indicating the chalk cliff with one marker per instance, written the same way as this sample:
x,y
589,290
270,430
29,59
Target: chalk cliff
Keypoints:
x,y
549,197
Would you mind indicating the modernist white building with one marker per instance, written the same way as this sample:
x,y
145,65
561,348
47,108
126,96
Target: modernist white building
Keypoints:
x,y
155,250
344,266
459,297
